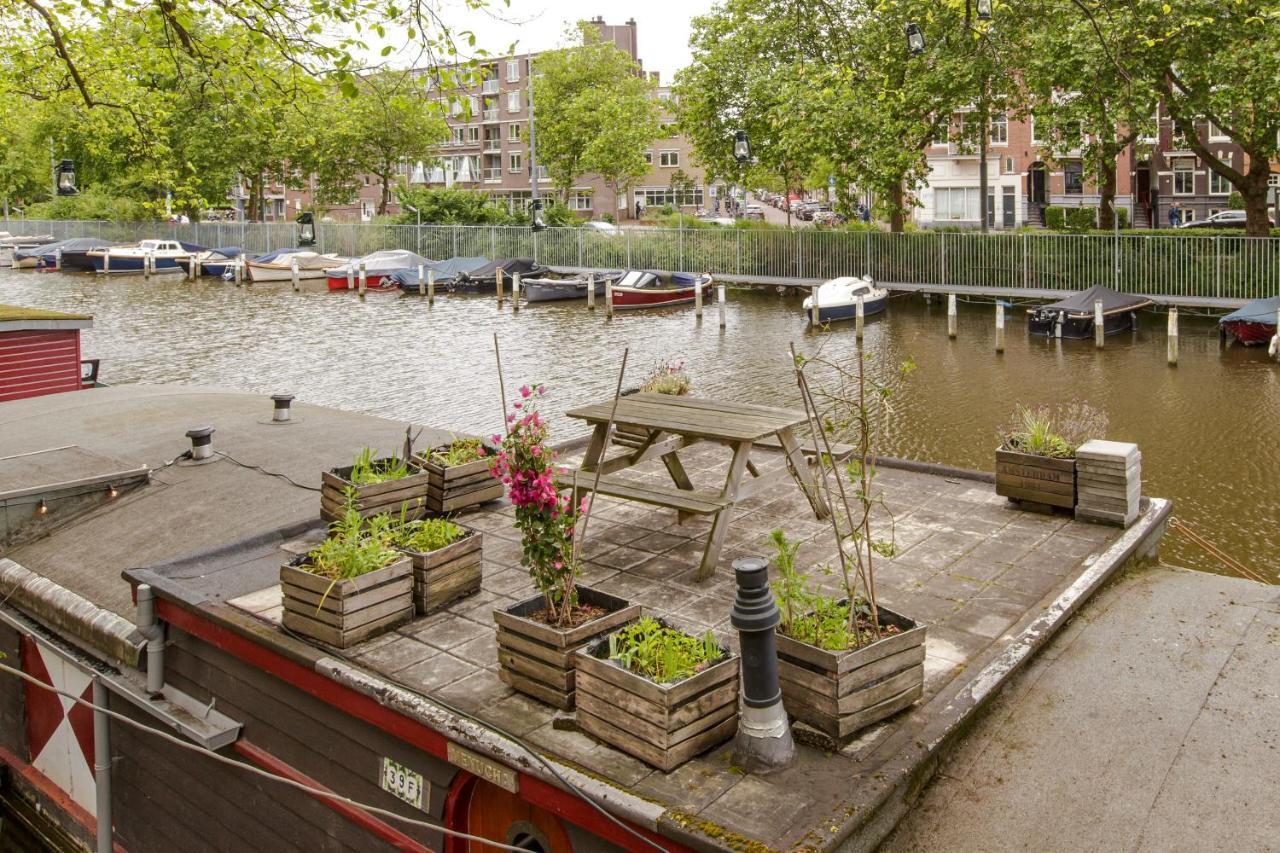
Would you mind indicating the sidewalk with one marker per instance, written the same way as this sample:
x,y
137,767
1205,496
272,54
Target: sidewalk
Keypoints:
x,y
1150,723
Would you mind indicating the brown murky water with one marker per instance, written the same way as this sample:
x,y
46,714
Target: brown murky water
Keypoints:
x,y
1208,428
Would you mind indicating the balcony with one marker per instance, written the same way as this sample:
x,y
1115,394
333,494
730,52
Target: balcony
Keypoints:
x,y
493,176
489,87
493,145
491,114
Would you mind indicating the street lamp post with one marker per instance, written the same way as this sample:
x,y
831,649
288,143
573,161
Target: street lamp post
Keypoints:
x,y
66,178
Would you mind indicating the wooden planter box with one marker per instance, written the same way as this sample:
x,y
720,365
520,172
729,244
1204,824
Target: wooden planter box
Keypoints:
x,y
410,492
459,487
839,693
352,610
663,725
447,574
1036,480
538,659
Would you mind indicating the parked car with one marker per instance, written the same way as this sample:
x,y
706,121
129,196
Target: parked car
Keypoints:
x,y
828,217
753,211
602,227
1221,219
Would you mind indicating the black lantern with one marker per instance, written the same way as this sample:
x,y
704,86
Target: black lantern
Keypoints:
x,y
741,147
67,177
983,8
539,222
915,39
306,229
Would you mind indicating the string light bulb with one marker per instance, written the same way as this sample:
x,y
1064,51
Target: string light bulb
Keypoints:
x,y
111,490
42,508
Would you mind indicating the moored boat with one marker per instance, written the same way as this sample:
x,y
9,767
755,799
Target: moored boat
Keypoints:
x,y
486,277
278,265
11,244
1073,317
655,288
163,256
447,272
379,270
566,287
1254,322
838,299
74,254
214,262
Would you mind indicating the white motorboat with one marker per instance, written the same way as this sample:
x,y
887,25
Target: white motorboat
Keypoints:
x,y
838,299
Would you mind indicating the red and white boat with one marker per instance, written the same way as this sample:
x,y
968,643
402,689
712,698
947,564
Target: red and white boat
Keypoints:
x,y
1254,323
654,289
379,270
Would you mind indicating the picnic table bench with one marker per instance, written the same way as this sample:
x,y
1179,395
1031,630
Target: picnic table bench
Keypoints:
x,y
660,426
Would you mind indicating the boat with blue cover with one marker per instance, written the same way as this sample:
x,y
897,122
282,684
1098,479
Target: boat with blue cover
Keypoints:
x,y
132,258
74,252
447,272
838,299
214,262
1254,322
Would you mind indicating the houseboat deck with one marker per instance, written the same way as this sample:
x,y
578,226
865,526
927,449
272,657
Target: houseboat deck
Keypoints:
x,y
992,583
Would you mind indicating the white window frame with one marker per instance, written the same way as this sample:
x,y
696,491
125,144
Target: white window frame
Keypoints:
x,y
1219,185
1216,134
648,157
1189,171
515,133
581,200
669,158
515,162
1035,140
1075,164
513,101
513,71
956,204
473,133
1003,124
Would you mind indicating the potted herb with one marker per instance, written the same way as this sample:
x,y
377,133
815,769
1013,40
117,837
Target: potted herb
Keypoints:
x,y
537,637
386,484
844,661
352,586
446,560
1035,462
842,666
667,377
658,693
458,475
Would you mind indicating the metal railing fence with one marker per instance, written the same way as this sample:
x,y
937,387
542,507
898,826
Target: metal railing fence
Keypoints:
x,y
1223,267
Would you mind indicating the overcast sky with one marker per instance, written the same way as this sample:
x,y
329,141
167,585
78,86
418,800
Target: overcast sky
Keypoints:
x,y
662,26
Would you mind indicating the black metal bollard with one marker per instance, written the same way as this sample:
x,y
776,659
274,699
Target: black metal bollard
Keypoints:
x,y
201,442
764,735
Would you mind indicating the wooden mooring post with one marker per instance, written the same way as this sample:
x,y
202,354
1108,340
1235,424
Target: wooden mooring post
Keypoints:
x,y
497,280
148,264
815,311
422,282
951,315
57,260
197,267
515,292
364,279
1099,325
351,277
999,326
720,304
591,291
237,270
1173,337
608,299
431,287
859,318
293,272
697,302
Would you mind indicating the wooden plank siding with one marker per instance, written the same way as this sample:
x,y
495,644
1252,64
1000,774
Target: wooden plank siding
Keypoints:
x,y
13,729
39,362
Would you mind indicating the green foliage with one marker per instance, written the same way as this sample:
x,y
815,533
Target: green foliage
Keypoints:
x,y
460,451
1054,431
1076,219
669,377
1055,218
366,470
1235,201
595,113
661,654
812,617
425,536
355,546
91,204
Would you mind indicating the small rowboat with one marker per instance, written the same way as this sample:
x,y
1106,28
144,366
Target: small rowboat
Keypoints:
x,y
1073,317
1254,322
379,270
215,262
447,273
838,299
278,266
485,277
568,287
655,289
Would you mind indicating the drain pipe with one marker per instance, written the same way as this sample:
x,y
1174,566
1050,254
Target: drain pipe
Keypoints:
x,y
280,412
153,630
102,764
764,734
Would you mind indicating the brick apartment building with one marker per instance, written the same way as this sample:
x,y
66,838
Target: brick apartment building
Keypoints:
x,y
488,150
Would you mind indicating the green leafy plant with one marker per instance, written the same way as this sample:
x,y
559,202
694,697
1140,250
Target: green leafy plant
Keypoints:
x,y
425,536
460,451
668,378
366,470
1054,431
662,654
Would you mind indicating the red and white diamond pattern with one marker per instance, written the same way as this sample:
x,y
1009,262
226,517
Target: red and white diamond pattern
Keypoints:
x,y
59,731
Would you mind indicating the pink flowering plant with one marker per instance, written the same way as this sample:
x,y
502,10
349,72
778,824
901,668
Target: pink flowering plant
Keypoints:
x,y
545,518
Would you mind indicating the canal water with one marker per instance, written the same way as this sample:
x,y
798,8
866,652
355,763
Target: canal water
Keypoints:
x,y
1208,428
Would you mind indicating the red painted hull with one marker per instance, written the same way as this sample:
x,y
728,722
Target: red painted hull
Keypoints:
x,y
655,297
1251,334
372,282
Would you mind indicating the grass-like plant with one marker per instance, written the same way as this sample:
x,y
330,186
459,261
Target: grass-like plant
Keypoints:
x,y
355,546
460,451
366,470
668,377
425,536
662,654
1055,431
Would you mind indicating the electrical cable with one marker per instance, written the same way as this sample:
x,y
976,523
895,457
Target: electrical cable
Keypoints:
x,y
266,774
262,470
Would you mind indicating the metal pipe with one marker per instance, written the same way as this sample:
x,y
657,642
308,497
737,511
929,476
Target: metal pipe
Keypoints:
x,y
102,764
153,630
764,738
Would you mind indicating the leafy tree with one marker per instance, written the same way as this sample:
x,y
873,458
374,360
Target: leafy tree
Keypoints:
x,y
594,112
450,206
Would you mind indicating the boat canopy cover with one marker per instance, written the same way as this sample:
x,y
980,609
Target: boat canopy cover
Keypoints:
x,y
509,267
273,255
75,244
228,251
383,263
1081,304
446,271
843,291
193,247
1257,311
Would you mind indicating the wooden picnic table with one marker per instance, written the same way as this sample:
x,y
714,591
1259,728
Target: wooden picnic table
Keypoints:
x,y
660,425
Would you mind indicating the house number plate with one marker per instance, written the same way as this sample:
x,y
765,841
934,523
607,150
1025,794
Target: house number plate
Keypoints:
x,y
403,782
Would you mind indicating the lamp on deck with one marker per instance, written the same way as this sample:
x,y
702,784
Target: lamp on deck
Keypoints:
x,y
741,147
539,221
306,229
983,8
67,178
915,39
